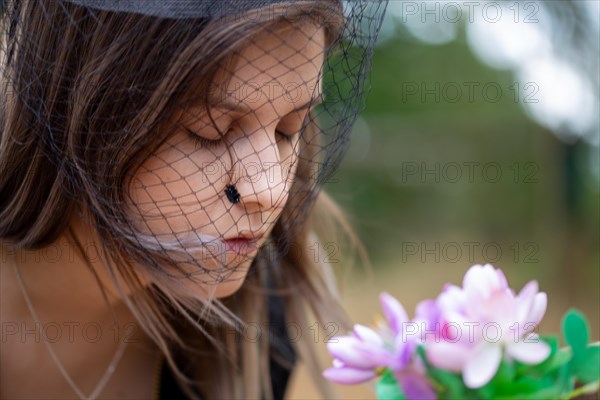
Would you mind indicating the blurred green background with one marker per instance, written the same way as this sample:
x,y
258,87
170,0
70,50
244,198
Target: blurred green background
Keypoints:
x,y
479,143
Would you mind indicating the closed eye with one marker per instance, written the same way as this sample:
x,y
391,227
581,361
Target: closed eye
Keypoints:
x,y
286,136
204,143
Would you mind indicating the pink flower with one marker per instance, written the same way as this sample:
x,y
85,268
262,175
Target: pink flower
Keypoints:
x,y
345,375
358,357
407,370
475,323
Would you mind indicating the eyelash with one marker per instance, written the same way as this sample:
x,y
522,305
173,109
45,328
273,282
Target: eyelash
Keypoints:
x,y
286,136
203,143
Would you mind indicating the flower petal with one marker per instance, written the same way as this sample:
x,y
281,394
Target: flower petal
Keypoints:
x,y
427,311
404,348
368,336
452,299
393,311
529,290
414,385
529,353
337,363
538,309
525,300
356,354
501,307
501,277
480,280
348,350
449,356
482,365
348,376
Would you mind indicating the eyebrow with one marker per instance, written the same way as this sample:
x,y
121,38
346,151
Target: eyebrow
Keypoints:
x,y
239,107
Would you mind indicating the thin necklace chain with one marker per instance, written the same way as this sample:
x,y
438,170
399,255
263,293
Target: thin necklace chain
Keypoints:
x,y
107,373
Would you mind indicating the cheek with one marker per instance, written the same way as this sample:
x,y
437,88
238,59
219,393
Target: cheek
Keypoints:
x,y
177,193
175,188
289,155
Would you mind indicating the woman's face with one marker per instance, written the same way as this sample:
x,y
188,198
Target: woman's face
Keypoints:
x,y
178,194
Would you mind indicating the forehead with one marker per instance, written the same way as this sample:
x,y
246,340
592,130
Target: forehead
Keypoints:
x,y
278,68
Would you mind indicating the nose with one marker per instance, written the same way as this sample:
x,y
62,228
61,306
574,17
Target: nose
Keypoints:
x,y
259,176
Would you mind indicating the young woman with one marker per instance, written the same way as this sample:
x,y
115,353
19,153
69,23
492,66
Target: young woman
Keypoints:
x,y
160,167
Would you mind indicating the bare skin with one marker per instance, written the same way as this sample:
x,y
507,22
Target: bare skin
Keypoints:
x,y
64,291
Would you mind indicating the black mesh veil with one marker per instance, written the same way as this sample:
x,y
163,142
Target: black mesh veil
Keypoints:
x,y
194,134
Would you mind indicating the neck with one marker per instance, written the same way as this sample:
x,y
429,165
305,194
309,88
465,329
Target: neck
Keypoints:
x,y
60,283
62,287
53,295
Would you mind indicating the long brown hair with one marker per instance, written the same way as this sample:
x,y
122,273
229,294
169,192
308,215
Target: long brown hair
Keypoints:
x,y
71,78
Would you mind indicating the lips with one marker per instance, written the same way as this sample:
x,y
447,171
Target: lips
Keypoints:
x,y
248,235
241,245
245,243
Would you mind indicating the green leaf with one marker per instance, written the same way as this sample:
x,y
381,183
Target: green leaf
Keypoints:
x,y
485,392
589,370
387,388
576,332
555,360
523,387
544,394
585,364
528,388
451,383
421,353
502,382
560,358
505,373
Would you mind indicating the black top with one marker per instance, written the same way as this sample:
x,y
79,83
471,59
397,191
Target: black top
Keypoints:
x,y
279,345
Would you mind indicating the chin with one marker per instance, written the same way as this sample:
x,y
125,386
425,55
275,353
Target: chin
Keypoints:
x,y
227,289
233,283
